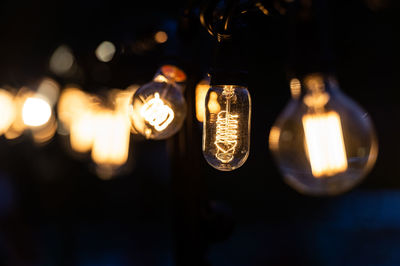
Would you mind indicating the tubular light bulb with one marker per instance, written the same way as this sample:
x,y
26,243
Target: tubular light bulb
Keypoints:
x,y
323,142
158,107
226,129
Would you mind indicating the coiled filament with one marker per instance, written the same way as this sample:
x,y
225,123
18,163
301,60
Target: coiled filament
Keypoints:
x,y
226,136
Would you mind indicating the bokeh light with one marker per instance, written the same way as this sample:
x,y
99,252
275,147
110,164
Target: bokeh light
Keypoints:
x,y
105,51
7,110
36,111
161,37
201,92
62,60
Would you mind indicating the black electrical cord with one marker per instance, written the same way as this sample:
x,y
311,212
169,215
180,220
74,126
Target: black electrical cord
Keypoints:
x,y
217,16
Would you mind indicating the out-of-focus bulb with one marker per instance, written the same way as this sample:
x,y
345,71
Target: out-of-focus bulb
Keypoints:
x,y
323,142
201,92
158,107
226,128
36,111
7,110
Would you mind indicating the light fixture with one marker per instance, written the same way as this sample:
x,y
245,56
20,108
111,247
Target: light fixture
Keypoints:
x,y
226,127
159,108
200,94
323,142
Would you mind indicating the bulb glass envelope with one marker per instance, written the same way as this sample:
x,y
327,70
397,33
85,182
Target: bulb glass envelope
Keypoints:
x,y
323,142
158,107
226,128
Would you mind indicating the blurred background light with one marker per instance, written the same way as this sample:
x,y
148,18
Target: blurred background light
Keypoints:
x,y
36,111
7,110
201,92
161,37
50,90
105,51
62,60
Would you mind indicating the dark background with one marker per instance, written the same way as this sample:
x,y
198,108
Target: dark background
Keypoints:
x,y
55,211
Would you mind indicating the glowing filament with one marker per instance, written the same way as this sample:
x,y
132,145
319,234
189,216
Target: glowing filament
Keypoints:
x,y
324,140
226,136
156,113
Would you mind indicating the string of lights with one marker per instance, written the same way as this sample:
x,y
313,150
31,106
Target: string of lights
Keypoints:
x,y
323,143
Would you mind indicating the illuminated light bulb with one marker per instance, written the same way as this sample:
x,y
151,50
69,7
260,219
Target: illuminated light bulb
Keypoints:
x,y
18,126
323,142
72,104
36,111
226,129
111,139
201,92
156,113
7,110
159,108
82,132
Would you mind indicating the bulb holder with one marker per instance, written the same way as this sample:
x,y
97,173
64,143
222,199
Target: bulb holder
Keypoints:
x,y
171,74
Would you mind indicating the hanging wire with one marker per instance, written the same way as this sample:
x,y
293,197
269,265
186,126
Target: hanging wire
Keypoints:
x,y
217,16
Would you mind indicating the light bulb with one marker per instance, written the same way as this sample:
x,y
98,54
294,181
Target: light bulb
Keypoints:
x,y
158,107
226,129
36,111
200,94
7,110
323,142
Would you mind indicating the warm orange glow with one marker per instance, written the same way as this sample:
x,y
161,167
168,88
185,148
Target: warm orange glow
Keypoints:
x,y
72,104
226,138
201,92
44,134
111,139
82,131
7,110
262,8
36,111
99,126
156,113
173,73
18,126
213,105
295,88
274,138
161,37
325,145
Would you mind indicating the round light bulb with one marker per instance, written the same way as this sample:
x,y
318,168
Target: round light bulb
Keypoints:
x,y
158,107
226,128
323,142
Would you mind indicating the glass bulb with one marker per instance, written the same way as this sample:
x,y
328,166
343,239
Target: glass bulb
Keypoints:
x,y
158,107
323,142
226,129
